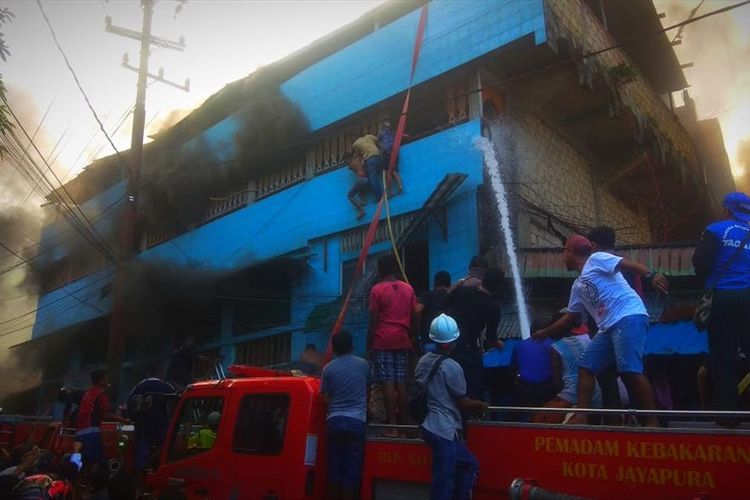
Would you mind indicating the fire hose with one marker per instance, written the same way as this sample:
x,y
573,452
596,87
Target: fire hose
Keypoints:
x,y
527,489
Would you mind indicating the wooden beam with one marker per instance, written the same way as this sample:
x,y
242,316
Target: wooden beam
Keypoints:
x,y
614,174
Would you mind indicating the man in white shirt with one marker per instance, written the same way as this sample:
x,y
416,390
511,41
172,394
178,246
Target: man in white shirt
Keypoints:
x,y
602,292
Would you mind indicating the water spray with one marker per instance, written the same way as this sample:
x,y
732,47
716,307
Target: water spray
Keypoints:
x,y
501,199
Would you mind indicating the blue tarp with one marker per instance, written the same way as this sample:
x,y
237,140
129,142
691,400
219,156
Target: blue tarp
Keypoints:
x,y
662,338
676,338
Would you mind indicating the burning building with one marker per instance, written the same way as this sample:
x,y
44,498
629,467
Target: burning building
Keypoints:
x,y
247,237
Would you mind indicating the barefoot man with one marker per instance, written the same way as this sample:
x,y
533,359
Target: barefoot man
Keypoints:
x,y
601,291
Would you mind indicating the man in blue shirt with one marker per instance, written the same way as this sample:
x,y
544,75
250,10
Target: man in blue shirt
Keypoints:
x,y
532,361
454,467
717,261
343,384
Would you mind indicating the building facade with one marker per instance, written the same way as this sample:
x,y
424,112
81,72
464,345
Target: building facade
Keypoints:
x,y
248,239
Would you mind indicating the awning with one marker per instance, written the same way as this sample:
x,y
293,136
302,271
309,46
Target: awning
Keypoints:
x,y
671,260
676,338
680,338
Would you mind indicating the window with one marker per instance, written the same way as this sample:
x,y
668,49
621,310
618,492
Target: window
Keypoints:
x,y
261,424
264,299
197,427
267,351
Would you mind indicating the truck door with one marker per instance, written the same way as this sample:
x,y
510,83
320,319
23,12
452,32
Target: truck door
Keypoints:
x,y
192,459
258,447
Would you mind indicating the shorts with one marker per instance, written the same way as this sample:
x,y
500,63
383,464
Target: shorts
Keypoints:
x,y
345,438
92,447
389,366
622,344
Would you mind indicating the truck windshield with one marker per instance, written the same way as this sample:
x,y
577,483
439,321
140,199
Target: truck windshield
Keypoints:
x,y
197,427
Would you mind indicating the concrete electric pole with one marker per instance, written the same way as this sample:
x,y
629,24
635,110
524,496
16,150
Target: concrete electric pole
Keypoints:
x,y
128,242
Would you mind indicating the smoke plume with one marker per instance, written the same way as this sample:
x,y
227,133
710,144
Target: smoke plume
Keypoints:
x,y
743,159
20,225
719,48
178,182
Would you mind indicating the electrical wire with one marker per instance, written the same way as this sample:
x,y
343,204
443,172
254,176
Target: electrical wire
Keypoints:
x,y
67,292
108,253
126,167
83,224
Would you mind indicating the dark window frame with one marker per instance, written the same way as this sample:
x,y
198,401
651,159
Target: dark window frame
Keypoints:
x,y
173,435
242,417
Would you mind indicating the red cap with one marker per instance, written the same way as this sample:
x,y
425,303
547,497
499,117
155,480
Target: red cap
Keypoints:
x,y
579,244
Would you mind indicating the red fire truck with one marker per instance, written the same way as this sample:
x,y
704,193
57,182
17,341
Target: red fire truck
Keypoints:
x,y
270,444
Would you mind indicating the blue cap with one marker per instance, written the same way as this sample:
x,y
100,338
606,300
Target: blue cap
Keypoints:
x,y
738,204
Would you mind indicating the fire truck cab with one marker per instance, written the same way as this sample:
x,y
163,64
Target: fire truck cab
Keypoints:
x,y
267,443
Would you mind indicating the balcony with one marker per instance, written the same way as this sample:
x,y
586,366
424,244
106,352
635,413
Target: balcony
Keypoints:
x,y
326,154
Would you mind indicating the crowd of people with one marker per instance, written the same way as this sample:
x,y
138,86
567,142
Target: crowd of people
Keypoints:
x,y
580,359
590,354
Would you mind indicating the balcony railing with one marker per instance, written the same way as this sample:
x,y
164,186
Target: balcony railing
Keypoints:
x,y
223,205
280,179
324,155
329,153
352,241
72,271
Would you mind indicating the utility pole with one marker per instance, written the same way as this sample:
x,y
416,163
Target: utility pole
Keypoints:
x,y
129,233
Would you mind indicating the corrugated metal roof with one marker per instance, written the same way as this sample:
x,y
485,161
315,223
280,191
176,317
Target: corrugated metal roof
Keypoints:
x,y
672,260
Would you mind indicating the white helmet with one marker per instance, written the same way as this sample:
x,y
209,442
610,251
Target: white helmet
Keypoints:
x,y
213,419
444,329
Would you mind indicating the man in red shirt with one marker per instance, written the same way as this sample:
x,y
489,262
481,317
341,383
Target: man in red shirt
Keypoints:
x,y
392,325
93,410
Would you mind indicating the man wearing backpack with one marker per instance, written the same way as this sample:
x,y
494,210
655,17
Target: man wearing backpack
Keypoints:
x,y
454,467
722,259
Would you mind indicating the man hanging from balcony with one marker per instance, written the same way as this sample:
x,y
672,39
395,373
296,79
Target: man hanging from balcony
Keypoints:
x,y
393,322
366,147
385,141
360,187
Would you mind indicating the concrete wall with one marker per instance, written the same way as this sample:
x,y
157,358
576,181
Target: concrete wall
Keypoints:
x,y
552,175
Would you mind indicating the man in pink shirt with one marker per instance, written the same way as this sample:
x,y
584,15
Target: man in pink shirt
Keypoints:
x,y
389,337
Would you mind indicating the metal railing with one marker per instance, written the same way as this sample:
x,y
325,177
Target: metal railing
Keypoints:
x,y
622,411
627,412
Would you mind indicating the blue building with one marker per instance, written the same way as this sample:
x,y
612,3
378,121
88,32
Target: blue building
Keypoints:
x,y
248,238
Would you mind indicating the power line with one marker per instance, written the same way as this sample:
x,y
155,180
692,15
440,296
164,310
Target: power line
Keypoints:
x,y
67,292
52,303
89,232
80,87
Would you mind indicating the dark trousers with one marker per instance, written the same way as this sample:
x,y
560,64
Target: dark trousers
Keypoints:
x,y
346,450
470,359
454,468
374,168
728,329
